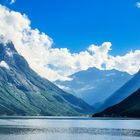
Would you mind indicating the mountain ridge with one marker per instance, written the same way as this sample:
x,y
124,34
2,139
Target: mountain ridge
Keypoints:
x,y
94,85
24,92
129,107
126,90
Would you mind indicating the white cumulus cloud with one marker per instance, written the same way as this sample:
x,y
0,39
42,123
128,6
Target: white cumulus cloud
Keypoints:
x,y
129,62
58,63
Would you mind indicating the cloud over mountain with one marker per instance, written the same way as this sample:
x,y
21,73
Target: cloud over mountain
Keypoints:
x,y
58,63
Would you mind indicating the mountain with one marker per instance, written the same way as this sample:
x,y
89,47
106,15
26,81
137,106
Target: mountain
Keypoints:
x,y
94,85
24,92
127,89
130,107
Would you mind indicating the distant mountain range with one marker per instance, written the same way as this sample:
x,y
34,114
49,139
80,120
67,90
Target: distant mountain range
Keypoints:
x,y
24,92
127,89
126,100
93,85
130,107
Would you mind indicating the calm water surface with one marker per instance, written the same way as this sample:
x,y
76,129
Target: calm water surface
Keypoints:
x,y
68,129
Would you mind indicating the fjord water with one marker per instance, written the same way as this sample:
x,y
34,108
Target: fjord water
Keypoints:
x,y
68,129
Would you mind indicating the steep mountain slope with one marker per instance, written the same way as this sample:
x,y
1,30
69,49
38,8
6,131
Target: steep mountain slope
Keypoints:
x,y
23,92
94,85
130,87
129,107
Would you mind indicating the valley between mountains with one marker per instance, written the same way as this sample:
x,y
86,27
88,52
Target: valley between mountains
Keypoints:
x,y
93,91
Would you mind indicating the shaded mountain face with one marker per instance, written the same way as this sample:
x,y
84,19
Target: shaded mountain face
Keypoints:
x,y
126,90
130,107
94,85
24,92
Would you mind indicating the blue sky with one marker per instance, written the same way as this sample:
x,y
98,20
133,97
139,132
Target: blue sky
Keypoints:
x,y
84,34
75,24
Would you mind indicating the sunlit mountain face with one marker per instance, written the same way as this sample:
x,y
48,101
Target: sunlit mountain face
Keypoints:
x,y
24,92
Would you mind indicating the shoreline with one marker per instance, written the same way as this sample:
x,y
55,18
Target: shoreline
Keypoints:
x,y
68,118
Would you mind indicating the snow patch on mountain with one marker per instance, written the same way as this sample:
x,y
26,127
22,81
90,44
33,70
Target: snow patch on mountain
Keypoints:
x,y
4,65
